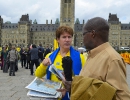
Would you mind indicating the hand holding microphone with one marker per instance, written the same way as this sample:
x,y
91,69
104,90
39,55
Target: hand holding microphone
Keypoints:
x,y
67,67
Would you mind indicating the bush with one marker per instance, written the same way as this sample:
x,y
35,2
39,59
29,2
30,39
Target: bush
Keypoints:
x,y
123,51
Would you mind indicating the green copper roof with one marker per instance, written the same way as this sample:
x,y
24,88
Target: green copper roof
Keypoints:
x,y
77,21
57,21
35,21
8,22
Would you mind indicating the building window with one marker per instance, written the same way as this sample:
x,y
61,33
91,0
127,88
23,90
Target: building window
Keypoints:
x,y
23,41
67,1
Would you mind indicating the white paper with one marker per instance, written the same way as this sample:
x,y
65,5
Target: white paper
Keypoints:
x,y
55,71
44,85
40,98
43,95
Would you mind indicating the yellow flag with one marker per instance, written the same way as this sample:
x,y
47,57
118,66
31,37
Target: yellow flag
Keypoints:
x,y
0,48
55,44
18,49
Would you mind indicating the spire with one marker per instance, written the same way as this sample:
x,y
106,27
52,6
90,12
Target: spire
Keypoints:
x,y
35,21
57,21
77,21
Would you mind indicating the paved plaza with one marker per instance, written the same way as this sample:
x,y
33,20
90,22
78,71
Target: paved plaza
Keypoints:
x,y
13,87
128,75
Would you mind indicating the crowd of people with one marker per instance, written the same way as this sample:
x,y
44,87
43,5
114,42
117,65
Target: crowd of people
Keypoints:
x,y
26,56
99,76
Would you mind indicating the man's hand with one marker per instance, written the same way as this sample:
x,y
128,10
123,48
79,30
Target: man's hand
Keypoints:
x,y
63,92
67,85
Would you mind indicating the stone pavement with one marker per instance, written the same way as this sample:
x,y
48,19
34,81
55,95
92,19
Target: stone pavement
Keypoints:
x,y
13,87
128,74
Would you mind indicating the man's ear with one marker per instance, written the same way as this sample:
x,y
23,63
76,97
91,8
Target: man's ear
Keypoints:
x,y
93,33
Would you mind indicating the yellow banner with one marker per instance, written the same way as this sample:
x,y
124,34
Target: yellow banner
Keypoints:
x,y
0,48
55,44
18,49
126,57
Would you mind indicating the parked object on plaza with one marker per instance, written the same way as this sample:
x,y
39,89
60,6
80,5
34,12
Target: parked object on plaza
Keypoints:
x,y
125,48
81,49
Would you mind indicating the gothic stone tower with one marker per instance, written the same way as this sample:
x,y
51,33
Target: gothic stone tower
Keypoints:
x,y
67,13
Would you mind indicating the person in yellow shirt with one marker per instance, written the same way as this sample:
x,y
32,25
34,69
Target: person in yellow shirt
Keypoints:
x,y
64,36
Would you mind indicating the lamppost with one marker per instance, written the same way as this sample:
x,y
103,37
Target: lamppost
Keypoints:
x,y
75,37
81,44
51,47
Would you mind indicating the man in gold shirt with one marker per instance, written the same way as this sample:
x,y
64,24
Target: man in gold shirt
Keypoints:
x,y
103,62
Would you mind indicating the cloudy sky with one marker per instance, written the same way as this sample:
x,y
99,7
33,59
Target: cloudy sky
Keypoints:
x,y
42,10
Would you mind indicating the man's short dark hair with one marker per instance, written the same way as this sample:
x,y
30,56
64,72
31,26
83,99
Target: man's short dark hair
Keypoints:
x,y
100,26
33,46
40,45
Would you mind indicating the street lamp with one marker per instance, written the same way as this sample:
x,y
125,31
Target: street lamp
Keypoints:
x,y
81,44
51,46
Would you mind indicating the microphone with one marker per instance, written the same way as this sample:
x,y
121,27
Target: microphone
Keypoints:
x,y
67,67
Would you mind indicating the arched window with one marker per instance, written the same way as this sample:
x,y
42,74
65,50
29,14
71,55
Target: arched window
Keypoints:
x,y
23,41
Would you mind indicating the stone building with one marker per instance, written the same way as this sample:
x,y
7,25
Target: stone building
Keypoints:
x,y
26,32
119,34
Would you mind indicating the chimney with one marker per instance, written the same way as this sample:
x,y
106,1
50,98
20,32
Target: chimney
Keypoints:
x,y
46,21
51,21
83,21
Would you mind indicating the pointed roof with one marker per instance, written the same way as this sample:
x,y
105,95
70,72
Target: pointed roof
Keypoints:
x,y
8,22
113,17
77,21
24,18
35,21
57,21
